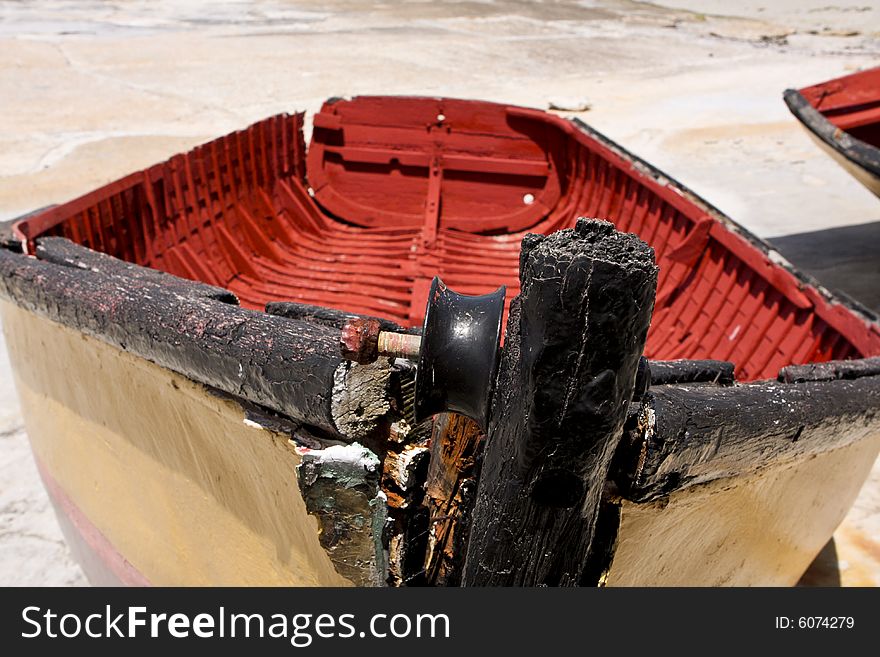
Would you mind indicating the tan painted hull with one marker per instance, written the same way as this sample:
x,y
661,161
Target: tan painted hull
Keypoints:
x,y
162,481
867,178
762,529
158,481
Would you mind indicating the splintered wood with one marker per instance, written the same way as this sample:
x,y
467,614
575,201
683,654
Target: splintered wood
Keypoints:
x,y
430,481
450,489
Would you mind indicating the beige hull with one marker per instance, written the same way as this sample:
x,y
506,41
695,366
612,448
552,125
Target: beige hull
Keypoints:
x,y
161,482
165,483
759,530
865,177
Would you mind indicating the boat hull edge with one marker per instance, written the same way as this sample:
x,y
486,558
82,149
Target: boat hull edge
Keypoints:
x,y
179,488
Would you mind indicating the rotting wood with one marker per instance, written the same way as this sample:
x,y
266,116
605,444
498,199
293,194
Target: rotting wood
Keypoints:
x,y
403,478
289,366
403,473
691,371
574,338
688,435
406,532
320,315
831,370
450,490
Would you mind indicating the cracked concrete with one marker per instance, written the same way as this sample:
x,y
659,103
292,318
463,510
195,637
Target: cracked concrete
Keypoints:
x,y
90,91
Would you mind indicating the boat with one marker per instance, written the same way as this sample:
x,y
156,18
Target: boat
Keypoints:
x,y
843,117
175,342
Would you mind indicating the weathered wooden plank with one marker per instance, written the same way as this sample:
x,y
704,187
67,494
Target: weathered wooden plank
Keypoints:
x,y
688,435
831,370
574,338
290,366
450,489
321,315
691,371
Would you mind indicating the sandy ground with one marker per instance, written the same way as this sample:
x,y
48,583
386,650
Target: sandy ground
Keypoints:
x,y
90,91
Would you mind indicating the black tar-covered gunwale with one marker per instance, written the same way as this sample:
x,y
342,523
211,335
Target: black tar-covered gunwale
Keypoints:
x,y
287,365
191,328
859,153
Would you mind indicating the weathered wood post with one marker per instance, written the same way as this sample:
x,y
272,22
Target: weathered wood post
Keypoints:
x,y
572,347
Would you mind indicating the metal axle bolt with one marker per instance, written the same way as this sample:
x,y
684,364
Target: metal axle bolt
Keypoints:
x,y
456,355
399,345
363,342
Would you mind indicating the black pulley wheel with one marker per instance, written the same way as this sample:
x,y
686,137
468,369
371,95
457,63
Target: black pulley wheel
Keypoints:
x,y
458,360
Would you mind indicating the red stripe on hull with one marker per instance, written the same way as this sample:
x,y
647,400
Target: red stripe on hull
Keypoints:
x,y
101,562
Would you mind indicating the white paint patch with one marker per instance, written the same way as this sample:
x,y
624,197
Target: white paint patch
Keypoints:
x,y
348,465
650,422
355,455
776,256
406,466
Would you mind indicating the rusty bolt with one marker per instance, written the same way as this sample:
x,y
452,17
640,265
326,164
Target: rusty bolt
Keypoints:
x,y
363,342
399,345
359,340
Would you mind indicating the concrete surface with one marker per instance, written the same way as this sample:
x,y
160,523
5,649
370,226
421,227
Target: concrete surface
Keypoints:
x,y
90,91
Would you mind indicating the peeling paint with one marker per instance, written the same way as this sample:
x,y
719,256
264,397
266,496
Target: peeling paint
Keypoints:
x,y
340,485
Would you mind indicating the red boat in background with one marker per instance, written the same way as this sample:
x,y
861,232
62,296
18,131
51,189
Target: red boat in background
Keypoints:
x,y
843,116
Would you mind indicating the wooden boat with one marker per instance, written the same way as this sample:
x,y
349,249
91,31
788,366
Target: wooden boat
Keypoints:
x,y
175,342
843,117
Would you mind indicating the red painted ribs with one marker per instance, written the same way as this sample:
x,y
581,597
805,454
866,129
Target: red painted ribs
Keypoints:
x,y
396,190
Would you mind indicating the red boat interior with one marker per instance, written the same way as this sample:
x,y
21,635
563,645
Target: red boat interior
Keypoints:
x,y
396,190
852,103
